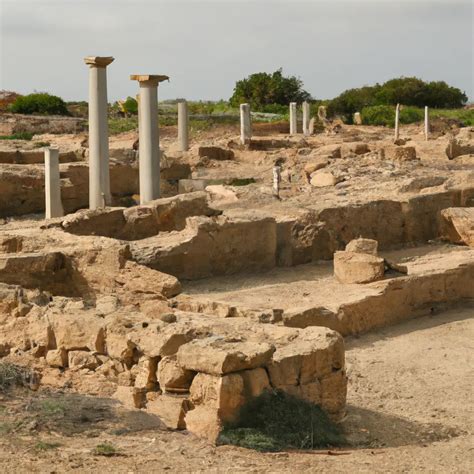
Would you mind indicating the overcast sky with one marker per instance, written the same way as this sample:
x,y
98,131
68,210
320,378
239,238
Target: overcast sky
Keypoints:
x,y
205,46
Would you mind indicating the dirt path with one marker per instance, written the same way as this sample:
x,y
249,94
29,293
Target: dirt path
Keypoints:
x,y
410,409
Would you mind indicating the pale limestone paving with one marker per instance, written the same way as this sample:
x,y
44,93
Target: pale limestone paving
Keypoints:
x,y
149,140
52,185
99,174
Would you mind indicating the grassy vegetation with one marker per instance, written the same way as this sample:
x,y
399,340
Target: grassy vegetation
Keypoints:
x,y
466,116
18,136
106,449
385,115
122,124
275,421
12,375
45,446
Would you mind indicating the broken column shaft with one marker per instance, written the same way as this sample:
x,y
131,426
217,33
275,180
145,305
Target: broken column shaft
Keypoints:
x,y
293,122
148,136
306,117
52,184
99,174
427,124
183,139
245,124
397,121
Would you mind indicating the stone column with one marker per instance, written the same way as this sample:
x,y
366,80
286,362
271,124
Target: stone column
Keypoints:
x,y
397,120
427,124
183,126
52,184
293,121
245,124
276,181
306,117
99,174
148,136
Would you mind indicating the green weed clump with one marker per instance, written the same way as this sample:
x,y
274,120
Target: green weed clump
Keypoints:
x,y
12,375
275,421
18,136
106,449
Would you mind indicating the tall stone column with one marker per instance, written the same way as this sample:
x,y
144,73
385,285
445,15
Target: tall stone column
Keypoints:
x,y
99,174
293,122
183,119
52,184
306,117
427,124
148,136
245,124
397,122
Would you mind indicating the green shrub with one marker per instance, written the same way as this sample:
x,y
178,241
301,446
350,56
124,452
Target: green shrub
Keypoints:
x,y
276,420
130,106
378,115
39,103
385,115
12,375
18,136
106,449
409,91
411,115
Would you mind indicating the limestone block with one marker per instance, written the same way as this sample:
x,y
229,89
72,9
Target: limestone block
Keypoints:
x,y
107,222
400,153
204,422
255,382
315,165
333,393
352,267
82,360
316,352
170,409
79,331
457,225
130,397
223,394
332,151
57,358
218,356
216,153
368,246
144,373
172,377
353,148
320,179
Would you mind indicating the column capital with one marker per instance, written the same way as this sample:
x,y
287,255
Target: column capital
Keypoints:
x,y
98,61
149,79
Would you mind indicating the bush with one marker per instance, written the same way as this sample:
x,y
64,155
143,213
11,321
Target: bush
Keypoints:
x,y
130,106
409,91
276,420
385,115
18,136
262,89
39,103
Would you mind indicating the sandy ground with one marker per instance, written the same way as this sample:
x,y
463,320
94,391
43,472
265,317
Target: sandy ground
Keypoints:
x,y
410,409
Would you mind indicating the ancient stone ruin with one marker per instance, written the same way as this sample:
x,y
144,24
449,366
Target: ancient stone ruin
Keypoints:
x,y
186,276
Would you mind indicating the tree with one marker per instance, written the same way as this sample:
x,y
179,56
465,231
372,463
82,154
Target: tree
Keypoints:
x,y
403,90
263,89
